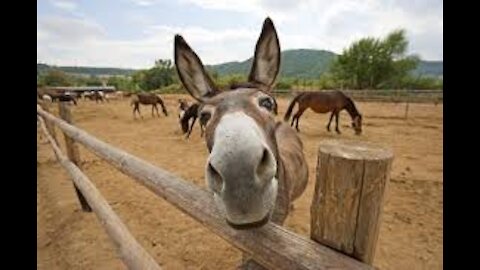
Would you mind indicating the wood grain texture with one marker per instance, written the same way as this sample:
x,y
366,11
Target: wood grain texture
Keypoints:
x,y
272,246
131,252
348,198
72,152
50,126
375,182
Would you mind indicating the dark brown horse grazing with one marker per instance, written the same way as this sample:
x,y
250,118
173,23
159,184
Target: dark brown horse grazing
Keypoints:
x,y
147,99
62,97
193,112
324,102
256,167
183,105
95,95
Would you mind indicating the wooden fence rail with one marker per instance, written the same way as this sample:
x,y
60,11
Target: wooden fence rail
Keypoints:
x,y
411,96
131,252
272,246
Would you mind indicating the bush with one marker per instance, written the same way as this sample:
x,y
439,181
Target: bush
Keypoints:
x,y
172,89
284,84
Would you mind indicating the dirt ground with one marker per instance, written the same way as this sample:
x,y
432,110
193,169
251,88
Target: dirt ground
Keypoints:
x,y
411,235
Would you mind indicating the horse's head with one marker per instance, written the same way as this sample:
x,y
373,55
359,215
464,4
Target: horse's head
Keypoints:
x,y
357,124
241,169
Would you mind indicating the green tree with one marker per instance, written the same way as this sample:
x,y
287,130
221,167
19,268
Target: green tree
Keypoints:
x,y
55,78
161,75
373,63
121,83
93,81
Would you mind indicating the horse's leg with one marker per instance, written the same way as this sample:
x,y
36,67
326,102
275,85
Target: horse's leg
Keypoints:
x,y
330,121
336,120
137,109
153,106
134,110
191,127
156,109
298,115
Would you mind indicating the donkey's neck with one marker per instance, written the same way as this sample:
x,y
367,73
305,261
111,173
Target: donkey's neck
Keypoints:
x,y
292,170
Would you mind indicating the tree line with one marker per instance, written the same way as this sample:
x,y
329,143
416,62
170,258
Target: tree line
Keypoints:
x,y
368,63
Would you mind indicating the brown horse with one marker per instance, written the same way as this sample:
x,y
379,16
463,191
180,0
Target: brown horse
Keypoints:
x,y
147,99
324,102
58,96
94,95
183,105
256,166
193,112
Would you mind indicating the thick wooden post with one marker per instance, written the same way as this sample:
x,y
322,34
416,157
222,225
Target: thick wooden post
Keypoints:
x,y
346,209
72,151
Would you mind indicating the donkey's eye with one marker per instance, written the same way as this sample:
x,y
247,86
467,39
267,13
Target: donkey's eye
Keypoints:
x,y
267,103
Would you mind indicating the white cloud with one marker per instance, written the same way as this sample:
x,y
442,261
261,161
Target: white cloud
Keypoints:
x,y
145,3
65,5
65,41
333,25
329,25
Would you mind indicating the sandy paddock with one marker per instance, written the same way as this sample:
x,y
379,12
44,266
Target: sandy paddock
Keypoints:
x,y
411,232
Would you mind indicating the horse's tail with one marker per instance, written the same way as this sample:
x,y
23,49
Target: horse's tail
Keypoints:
x,y
291,105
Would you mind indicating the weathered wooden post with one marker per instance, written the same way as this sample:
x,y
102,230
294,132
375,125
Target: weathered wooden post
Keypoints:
x,y
50,126
72,151
350,187
407,105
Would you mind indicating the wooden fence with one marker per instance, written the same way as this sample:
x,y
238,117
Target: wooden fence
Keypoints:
x,y
396,96
271,246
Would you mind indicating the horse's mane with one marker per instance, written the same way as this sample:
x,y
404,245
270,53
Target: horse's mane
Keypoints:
x,y
351,108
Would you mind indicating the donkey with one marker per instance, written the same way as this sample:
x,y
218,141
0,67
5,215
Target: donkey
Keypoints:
x,y
256,167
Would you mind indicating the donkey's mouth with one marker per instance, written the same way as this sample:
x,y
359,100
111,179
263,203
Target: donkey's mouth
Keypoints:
x,y
252,225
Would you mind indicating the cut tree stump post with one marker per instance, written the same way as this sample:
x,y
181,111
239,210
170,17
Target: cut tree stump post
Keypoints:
x,y
72,151
351,183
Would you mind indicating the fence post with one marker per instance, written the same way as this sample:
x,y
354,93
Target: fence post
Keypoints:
x,y
407,105
50,126
351,182
72,151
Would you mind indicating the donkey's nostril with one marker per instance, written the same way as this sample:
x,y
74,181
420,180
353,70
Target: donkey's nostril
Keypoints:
x,y
264,166
217,181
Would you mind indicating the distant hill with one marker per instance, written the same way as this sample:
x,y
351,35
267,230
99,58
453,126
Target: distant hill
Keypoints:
x,y
302,63
309,63
87,71
430,68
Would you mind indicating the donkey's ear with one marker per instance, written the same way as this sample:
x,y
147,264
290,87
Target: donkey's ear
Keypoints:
x,y
266,62
191,71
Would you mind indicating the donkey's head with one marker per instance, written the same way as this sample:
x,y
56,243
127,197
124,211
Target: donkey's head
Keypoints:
x,y
241,169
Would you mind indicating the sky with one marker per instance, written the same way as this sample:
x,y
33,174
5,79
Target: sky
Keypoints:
x,y
134,33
